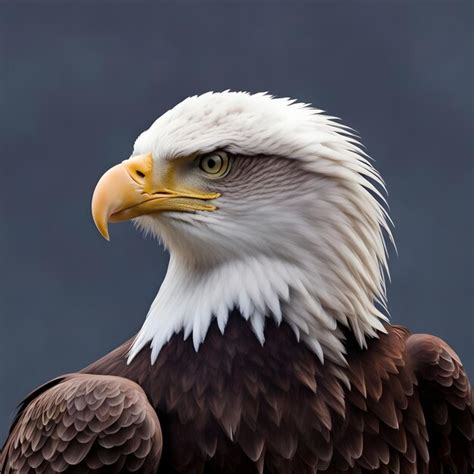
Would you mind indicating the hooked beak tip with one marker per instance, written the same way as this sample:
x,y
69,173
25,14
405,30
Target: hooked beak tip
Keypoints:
x,y
102,227
106,236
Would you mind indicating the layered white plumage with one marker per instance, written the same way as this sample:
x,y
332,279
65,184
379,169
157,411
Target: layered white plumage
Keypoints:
x,y
298,234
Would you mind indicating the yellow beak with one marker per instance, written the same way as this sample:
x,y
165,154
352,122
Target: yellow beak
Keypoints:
x,y
133,189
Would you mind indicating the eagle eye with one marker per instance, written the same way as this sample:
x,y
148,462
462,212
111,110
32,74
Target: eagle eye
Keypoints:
x,y
214,164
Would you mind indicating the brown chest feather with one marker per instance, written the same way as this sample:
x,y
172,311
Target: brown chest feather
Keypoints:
x,y
237,406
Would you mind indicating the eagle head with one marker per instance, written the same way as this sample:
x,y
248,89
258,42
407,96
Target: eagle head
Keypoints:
x,y
268,207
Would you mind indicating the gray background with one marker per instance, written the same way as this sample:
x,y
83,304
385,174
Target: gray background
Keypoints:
x,y
80,81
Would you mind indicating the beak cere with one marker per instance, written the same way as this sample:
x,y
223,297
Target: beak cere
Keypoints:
x,y
131,189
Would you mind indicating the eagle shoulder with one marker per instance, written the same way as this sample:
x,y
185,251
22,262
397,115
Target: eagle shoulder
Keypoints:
x,y
447,401
85,422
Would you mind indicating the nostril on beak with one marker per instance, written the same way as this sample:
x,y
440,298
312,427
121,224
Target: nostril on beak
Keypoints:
x,y
139,168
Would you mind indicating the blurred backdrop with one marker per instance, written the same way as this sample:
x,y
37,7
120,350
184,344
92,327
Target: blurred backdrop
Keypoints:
x,y
79,81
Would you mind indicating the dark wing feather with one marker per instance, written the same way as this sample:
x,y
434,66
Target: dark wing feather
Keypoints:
x,y
87,422
446,398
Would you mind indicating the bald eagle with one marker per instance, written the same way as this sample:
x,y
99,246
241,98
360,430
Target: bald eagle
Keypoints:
x,y
267,348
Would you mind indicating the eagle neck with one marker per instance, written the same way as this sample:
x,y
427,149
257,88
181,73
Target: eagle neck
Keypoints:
x,y
259,288
191,297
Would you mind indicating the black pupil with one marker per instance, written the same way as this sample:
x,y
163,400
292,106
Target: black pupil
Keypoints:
x,y
211,162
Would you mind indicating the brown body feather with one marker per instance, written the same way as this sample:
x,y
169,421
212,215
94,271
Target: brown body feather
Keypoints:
x,y
238,407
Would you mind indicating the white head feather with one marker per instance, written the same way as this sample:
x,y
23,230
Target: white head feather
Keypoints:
x,y
298,234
